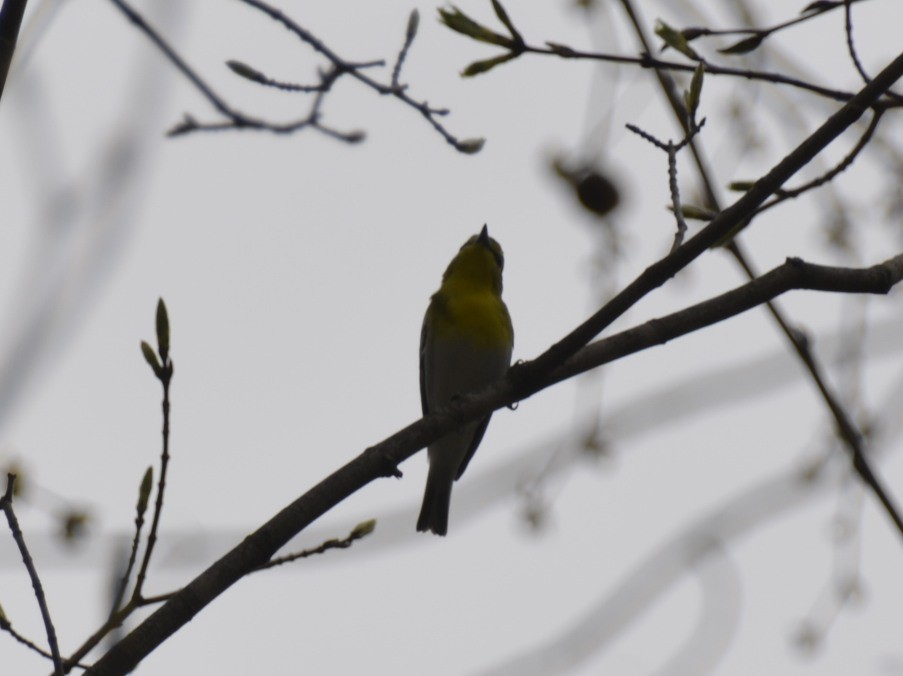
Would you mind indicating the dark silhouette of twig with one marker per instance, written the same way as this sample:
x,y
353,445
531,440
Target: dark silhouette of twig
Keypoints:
x,y
515,46
141,507
10,22
338,68
851,46
360,531
845,427
671,149
6,625
794,274
6,504
652,63
162,366
382,460
758,35
164,375
791,193
727,219
327,78
410,34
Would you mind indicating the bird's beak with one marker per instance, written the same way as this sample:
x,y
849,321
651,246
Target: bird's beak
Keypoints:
x,y
484,235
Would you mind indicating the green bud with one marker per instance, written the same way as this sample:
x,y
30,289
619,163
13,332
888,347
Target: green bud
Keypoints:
x,y
503,17
478,67
461,23
144,491
151,358
693,94
413,24
820,6
162,330
245,71
673,38
18,474
355,136
693,33
363,529
740,186
471,146
561,50
745,46
696,213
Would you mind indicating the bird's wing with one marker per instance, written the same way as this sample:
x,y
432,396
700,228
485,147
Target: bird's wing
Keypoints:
x,y
495,369
477,438
423,338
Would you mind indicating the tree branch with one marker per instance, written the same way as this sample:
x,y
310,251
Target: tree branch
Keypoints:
x,y
728,219
382,459
10,23
6,504
847,430
338,67
794,274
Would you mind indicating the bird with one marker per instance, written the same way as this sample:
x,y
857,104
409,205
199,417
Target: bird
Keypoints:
x,y
465,344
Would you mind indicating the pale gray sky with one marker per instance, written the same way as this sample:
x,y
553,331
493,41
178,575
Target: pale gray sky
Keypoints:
x,y
296,271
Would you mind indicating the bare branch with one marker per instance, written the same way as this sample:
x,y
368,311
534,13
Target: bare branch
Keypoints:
x,y
338,68
383,459
10,22
6,504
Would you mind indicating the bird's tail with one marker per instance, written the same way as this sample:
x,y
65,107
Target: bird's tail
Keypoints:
x,y
436,500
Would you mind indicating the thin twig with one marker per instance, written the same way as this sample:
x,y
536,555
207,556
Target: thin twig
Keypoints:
x,y
648,61
157,598
360,531
410,34
846,428
162,366
675,197
327,78
339,67
851,46
840,167
726,220
382,459
761,32
165,381
171,54
794,274
671,149
133,554
428,112
6,504
10,22
113,621
6,625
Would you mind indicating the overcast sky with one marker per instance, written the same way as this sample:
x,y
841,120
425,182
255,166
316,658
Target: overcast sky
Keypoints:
x,y
297,269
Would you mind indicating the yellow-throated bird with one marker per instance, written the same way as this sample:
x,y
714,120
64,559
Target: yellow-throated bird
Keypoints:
x,y
465,345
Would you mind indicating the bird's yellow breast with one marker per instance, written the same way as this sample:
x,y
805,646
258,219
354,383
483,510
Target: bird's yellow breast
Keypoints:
x,y
479,316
